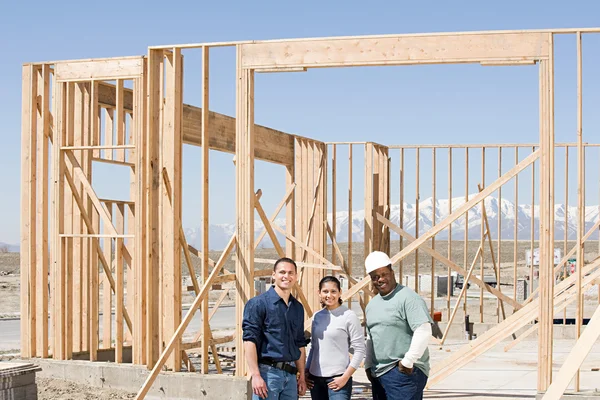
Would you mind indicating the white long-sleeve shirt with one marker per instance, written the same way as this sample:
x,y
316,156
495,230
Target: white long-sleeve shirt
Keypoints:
x,y
335,334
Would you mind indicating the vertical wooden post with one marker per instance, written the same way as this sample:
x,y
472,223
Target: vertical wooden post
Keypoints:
x,y
401,216
107,294
350,221
140,313
566,224
499,231
88,207
28,207
119,300
205,327
333,199
244,179
417,216
58,244
449,283
94,287
69,252
290,208
433,198
43,133
546,279
77,266
580,197
155,100
482,238
515,227
368,222
466,247
532,244
170,161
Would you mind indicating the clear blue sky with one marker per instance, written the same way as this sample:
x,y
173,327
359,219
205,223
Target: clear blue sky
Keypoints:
x,y
431,104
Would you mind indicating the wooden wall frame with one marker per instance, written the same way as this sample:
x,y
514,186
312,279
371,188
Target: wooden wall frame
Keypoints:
x,y
85,226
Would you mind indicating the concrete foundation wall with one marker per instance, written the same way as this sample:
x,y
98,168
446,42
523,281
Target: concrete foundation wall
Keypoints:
x,y
130,378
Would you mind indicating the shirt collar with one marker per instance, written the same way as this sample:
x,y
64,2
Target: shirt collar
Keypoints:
x,y
274,297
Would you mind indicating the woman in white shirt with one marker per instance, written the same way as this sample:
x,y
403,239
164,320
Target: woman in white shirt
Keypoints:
x,y
336,332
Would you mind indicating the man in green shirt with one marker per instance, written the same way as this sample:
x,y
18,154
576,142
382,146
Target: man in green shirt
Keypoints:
x,y
398,331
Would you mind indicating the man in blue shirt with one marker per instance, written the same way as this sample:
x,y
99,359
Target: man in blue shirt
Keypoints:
x,y
274,342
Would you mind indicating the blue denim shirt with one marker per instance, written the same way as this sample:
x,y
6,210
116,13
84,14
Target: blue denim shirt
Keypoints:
x,y
275,328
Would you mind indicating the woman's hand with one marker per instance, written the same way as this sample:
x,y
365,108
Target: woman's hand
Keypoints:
x,y
338,383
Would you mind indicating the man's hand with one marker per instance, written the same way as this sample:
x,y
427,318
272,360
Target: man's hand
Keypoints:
x,y
259,387
309,382
301,386
369,375
404,370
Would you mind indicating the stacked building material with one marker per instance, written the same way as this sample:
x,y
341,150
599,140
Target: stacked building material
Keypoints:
x,y
17,381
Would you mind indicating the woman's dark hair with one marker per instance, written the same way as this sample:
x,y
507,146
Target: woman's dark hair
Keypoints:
x,y
331,279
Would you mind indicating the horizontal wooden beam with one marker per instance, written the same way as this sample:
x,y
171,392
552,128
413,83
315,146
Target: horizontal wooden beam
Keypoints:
x,y
99,69
270,145
396,50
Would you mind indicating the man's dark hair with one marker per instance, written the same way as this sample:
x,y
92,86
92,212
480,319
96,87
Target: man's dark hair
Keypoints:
x,y
285,259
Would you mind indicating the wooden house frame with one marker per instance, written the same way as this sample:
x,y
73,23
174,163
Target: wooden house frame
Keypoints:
x,y
129,111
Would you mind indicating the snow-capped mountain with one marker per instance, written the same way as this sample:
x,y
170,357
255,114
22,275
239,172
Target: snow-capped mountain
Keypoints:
x,y
504,211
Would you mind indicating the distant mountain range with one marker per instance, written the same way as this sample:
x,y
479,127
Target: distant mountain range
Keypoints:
x,y
9,247
504,211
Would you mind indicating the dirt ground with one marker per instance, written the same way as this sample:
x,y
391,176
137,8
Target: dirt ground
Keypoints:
x,y
57,389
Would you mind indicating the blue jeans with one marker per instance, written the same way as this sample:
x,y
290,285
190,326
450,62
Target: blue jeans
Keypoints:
x,y
321,391
397,385
281,385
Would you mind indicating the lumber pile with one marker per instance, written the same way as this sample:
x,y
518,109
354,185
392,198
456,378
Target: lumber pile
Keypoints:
x,y
17,381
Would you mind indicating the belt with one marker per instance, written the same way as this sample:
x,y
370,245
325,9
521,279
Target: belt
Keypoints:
x,y
283,365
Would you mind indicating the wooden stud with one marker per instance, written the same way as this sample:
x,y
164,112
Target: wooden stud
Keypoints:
x,y
171,205
107,295
28,206
350,221
417,216
515,227
580,198
481,274
566,224
244,269
466,242
433,197
499,266
532,227
205,203
155,61
119,300
449,280
333,196
401,216
94,292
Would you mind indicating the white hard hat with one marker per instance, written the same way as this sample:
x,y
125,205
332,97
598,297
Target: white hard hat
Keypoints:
x,y
375,260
